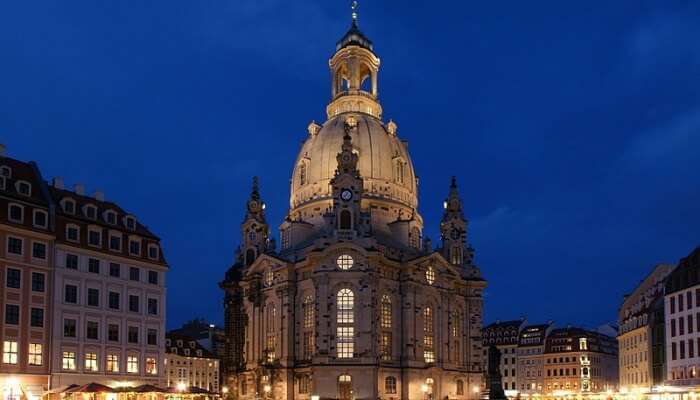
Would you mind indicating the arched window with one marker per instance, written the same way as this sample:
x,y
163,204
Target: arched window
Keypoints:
x,y
345,387
390,385
399,171
345,320
428,338
457,255
385,323
414,238
308,327
244,386
345,219
429,383
271,343
303,180
386,312
456,336
460,387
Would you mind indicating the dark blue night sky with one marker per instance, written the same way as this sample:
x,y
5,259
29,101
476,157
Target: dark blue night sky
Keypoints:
x,y
573,127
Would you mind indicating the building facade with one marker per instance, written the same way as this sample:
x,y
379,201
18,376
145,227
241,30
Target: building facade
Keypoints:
x,y
356,303
26,277
83,296
505,335
189,364
530,360
109,294
682,309
642,359
579,361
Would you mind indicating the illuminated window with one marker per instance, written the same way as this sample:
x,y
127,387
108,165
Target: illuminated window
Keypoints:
x,y
430,275
390,385
456,336
308,345
385,346
345,387
302,174
132,365
386,312
9,352
457,255
428,340
583,343
345,320
345,262
91,362
68,360
151,366
112,363
271,344
269,278
36,354
304,384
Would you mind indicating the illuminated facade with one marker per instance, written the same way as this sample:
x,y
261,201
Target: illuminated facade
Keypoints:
x,y
356,303
504,335
531,346
109,294
25,276
641,337
188,363
682,310
579,361
83,288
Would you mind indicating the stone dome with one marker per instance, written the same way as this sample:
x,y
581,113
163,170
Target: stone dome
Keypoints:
x,y
384,163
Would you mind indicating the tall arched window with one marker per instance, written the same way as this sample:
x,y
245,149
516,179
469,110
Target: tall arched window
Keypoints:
x,y
428,338
457,255
345,219
390,385
456,336
385,323
303,180
345,387
345,321
308,328
271,342
460,387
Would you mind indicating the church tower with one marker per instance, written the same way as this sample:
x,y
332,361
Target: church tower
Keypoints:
x,y
354,303
254,229
453,230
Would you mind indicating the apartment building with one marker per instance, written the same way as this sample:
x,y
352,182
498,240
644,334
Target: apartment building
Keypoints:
x,y
25,275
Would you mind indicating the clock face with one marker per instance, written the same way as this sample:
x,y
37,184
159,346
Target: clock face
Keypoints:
x,y
454,233
346,195
253,205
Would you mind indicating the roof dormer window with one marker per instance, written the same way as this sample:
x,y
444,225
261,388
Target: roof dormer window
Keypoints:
x,y
111,217
153,251
24,188
90,211
6,171
69,206
130,222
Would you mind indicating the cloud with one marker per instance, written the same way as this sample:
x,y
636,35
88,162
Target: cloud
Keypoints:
x,y
676,141
665,40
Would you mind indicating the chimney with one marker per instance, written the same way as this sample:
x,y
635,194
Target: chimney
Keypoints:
x,y
99,195
2,150
58,183
79,189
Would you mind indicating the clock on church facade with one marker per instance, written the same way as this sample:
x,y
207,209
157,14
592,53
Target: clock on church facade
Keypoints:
x,y
355,304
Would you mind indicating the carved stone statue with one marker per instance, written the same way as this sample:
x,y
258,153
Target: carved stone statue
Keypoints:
x,y
494,375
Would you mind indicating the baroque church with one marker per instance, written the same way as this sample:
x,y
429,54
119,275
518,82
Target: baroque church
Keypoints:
x,y
355,303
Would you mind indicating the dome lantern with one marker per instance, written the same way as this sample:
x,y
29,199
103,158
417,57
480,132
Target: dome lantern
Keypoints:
x,y
354,68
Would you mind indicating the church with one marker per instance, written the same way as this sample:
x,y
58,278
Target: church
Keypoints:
x,y
355,303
